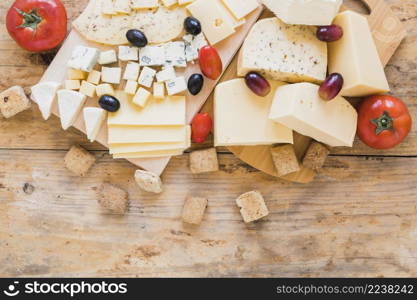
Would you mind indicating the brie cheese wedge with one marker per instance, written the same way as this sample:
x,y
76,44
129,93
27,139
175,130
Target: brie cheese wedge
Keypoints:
x,y
44,95
93,119
69,105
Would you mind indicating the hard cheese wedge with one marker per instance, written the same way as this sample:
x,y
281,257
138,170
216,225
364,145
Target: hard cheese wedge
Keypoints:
x,y
241,117
146,134
93,119
44,94
70,104
355,57
290,53
299,107
169,111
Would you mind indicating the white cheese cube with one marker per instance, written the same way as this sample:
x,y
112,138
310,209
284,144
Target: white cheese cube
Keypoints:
x,y
241,8
122,6
175,54
93,119
141,4
299,107
176,86
132,71
169,3
84,58
193,44
107,57
147,76
141,98
71,84
73,74
127,53
152,56
44,94
317,12
94,77
168,73
88,89
111,75
70,104
104,89
131,87
159,90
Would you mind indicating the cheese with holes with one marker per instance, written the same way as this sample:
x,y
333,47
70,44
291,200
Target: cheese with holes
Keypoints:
x,y
241,117
241,8
44,94
355,56
310,12
146,134
290,53
93,120
215,23
299,107
70,104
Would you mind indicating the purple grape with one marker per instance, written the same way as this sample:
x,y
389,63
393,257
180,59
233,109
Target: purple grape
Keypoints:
x,y
331,87
329,33
258,84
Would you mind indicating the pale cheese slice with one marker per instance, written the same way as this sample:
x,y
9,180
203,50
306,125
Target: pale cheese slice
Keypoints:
x,y
290,53
146,134
150,154
107,7
122,6
241,117
44,94
141,4
241,8
70,104
169,111
93,119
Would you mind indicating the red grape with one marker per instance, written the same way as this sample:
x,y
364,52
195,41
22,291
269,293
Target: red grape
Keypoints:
x,y
258,84
329,33
331,87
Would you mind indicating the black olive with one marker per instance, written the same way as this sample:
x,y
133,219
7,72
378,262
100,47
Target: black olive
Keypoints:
x,y
137,38
192,26
109,103
195,83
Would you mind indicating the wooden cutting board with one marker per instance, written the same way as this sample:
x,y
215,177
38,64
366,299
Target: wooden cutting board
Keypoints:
x,y
388,32
227,49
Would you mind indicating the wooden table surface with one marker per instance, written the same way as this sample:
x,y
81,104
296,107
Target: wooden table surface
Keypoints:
x,y
358,218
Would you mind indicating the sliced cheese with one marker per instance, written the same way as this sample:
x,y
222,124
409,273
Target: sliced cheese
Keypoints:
x,y
316,12
355,57
141,4
290,53
146,134
44,94
122,6
299,107
241,117
241,8
107,7
93,119
70,104
170,111
150,154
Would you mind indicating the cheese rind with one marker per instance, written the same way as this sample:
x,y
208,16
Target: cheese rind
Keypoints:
x,y
241,117
355,56
316,12
70,104
299,107
290,53
44,94
93,120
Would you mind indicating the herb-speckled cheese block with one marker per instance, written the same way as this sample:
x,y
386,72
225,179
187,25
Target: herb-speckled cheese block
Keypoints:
x,y
289,53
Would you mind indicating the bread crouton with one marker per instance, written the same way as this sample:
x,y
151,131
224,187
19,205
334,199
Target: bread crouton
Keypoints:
x,y
252,206
193,210
148,181
79,161
285,160
113,198
203,161
315,156
13,101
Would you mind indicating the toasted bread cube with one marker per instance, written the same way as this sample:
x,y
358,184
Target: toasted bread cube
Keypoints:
x,y
315,156
88,89
148,181
141,97
159,90
104,89
72,84
74,74
252,206
113,199
131,87
13,101
203,161
285,160
193,210
94,77
79,161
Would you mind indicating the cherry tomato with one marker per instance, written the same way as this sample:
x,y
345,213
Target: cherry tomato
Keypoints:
x,y
37,25
384,121
201,126
210,62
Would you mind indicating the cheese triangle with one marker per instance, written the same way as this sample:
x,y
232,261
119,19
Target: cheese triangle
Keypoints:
x,y
70,104
93,119
44,95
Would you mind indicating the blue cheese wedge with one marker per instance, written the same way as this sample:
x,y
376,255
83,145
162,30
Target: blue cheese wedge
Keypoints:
x,y
168,73
175,54
176,86
84,58
93,119
241,8
152,56
147,76
44,94
193,44
70,104
127,53
290,53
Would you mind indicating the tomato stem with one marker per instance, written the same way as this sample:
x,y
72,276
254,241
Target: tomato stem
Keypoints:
x,y
384,122
31,19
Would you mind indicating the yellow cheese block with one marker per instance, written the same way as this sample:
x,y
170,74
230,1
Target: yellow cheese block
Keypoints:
x,y
355,57
150,154
241,117
146,134
169,111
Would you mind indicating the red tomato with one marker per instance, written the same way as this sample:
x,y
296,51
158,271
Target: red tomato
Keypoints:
x,y
201,126
384,121
37,25
210,62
